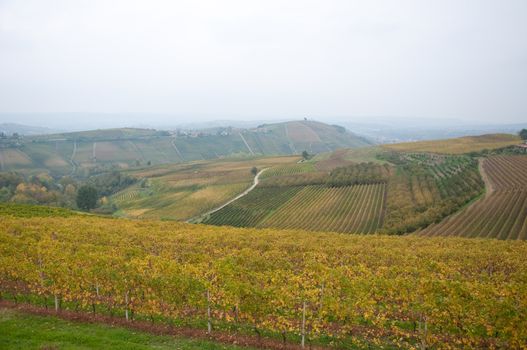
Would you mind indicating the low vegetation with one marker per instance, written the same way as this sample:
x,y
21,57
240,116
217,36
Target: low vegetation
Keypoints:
x,y
352,291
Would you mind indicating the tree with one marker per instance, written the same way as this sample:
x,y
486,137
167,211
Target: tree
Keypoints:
x,y
523,134
254,170
87,197
305,155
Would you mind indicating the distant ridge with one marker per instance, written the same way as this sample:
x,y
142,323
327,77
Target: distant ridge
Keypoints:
x,y
86,152
11,128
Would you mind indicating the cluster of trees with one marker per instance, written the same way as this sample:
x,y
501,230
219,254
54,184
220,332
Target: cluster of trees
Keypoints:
x,y
43,189
424,192
37,189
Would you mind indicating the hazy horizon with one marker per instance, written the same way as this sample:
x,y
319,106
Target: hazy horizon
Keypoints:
x,y
198,61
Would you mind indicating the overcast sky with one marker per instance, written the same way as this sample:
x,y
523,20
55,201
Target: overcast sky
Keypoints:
x,y
267,59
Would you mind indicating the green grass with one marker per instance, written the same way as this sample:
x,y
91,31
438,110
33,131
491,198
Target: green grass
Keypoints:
x,y
23,331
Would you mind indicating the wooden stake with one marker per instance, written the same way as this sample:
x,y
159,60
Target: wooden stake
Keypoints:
x,y
56,303
304,325
126,307
209,323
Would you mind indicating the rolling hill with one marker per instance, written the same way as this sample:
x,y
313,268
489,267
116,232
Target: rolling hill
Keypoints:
x,y
83,153
363,190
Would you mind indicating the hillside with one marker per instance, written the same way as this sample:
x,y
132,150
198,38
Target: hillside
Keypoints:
x,y
84,153
184,191
458,145
367,190
502,212
352,291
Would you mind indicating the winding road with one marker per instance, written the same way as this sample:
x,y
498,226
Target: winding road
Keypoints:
x,y
256,181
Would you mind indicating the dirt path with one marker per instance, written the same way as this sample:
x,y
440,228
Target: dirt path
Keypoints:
x,y
72,161
291,144
94,152
177,150
256,181
246,144
488,184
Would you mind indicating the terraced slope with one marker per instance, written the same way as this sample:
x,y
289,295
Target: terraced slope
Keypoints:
x,y
502,213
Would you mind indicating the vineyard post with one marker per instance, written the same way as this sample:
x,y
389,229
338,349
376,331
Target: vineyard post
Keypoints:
x,y
423,330
304,324
209,323
321,301
56,303
126,306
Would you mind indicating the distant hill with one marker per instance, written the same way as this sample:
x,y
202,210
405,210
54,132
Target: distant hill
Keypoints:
x,y
11,128
86,152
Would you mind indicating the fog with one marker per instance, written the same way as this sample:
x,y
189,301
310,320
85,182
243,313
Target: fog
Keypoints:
x,y
173,62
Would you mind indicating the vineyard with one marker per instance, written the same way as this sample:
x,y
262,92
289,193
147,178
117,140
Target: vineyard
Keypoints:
x,y
356,209
416,190
347,199
502,213
427,188
348,291
458,145
184,191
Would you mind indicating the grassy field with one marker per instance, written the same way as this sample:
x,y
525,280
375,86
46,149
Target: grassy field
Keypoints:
x,y
458,145
184,191
358,290
502,213
23,331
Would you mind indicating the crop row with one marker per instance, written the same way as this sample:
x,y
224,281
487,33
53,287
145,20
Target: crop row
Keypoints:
x,y
291,169
507,172
503,215
249,210
356,209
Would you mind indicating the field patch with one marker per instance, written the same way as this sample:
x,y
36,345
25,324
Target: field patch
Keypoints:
x,y
12,158
502,213
351,209
458,145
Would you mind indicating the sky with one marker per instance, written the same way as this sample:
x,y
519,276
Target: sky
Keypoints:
x,y
200,60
